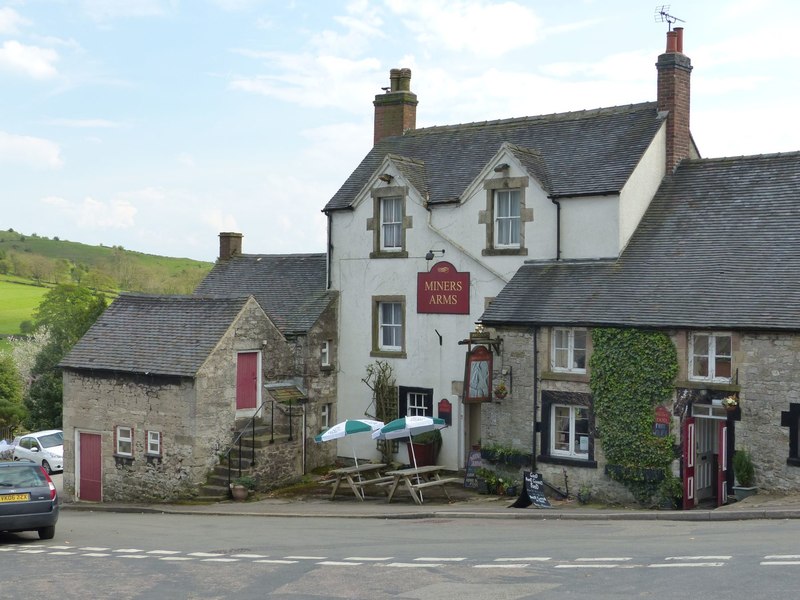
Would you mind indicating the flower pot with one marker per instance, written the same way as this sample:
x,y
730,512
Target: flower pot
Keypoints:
x,y
239,493
741,492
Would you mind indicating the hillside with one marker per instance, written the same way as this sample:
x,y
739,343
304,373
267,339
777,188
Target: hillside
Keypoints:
x,y
30,265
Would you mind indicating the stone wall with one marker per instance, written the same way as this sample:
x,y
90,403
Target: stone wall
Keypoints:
x,y
770,380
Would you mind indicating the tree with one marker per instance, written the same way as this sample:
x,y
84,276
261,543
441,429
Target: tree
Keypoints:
x,y
12,410
67,311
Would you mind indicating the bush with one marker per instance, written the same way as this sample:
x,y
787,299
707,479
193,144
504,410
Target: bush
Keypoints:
x,y
743,468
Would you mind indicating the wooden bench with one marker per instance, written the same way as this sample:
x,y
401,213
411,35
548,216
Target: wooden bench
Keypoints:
x,y
434,482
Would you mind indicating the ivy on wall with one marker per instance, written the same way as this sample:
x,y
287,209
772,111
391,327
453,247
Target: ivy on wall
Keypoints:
x,y
632,372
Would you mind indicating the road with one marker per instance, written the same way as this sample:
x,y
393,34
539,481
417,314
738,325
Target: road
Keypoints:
x,y
103,555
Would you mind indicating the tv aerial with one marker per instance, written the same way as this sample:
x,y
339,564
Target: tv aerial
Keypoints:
x,y
662,16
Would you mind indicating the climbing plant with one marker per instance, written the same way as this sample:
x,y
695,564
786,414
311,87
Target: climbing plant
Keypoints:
x,y
633,371
380,379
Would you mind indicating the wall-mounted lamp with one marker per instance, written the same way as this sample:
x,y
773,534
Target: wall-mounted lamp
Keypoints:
x,y
386,178
501,167
432,253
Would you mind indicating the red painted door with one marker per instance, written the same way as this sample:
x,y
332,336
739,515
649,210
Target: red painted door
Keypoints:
x,y
90,470
689,452
722,463
246,380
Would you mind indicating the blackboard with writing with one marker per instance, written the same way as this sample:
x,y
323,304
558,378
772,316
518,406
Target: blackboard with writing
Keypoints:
x,y
532,492
474,462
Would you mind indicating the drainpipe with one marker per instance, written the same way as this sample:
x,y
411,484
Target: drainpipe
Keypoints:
x,y
558,227
535,392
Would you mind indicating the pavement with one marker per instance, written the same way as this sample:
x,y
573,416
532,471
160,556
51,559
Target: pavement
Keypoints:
x,y
465,503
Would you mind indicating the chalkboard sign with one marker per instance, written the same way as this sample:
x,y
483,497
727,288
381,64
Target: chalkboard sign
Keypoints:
x,y
474,462
532,492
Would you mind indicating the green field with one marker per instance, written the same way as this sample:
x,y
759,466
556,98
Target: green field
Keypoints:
x,y
18,299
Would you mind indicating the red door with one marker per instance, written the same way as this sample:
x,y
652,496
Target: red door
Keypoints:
x,y
688,463
722,462
89,465
246,380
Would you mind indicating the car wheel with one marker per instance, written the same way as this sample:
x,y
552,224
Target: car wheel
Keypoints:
x,y
47,533
46,467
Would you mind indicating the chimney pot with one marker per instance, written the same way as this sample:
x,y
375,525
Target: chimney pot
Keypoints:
x,y
672,42
396,110
679,39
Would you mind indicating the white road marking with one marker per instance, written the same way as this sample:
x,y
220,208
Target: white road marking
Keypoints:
x,y
97,554
276,561
93,549
782,557
63,553
306,557
588,566
413,565
505,566
32,551
61,547
163,552
524,559
132,556
250,555
620,559
337,563
129,550
224,560
206,554
698,558
369,559
435,559
681,565
781,563
175,558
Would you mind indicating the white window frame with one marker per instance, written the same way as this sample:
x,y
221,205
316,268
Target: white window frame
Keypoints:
x,y
395,326
569,349
125,440
507,224
325,354
416,405
712,357
391,223
154,443
325,416
573,451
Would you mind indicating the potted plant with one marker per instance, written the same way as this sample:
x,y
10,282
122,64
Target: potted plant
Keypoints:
x,y
242,486
730,403
500,390
744,471
426,447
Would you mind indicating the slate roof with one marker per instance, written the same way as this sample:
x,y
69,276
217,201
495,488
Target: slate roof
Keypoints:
x,y
585,152
291,288
155,335
719,247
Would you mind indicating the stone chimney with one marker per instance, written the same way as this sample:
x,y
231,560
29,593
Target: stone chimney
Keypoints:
x,y
674,71
395,110
230,244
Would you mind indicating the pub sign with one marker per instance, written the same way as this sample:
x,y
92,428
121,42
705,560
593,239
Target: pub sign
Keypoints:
x,y
443,290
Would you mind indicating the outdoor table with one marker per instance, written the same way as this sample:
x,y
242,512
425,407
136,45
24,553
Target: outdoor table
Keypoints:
x,y
354,476
416,479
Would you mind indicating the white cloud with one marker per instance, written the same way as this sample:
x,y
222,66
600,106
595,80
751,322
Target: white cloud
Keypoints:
x,y
219,221
29,151
10,21
94,214
85,123
462,26
33,61
313,81
108,10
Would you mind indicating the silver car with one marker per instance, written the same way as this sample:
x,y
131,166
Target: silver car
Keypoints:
x,y
45,448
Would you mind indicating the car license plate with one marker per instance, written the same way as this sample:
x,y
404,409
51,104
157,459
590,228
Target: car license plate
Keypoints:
x,y
15,497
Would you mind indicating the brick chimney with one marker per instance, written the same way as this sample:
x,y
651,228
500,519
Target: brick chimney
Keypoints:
x,y
395,110
674,71
230,244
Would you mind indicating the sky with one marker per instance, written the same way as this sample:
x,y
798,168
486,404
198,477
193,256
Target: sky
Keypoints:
x,y
156,124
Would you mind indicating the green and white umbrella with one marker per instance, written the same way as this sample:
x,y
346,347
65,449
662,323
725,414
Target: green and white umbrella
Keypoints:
x,y
405,427
349,427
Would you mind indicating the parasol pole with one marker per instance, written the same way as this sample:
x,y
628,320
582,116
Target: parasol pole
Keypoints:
x,y
414,458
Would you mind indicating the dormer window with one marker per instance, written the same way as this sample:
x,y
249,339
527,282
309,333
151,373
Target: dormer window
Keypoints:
x,y
506,218
389,222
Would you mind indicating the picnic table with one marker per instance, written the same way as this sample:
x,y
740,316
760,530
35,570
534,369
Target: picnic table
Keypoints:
x,y
358,477
417,479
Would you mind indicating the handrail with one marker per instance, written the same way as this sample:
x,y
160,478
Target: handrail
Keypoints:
x,y
238,440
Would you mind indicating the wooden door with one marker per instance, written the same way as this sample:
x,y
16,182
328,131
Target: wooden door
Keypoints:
x,y
688,462
246,380
722,462
90,472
